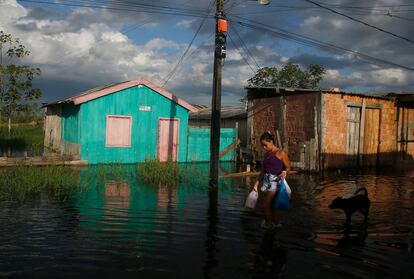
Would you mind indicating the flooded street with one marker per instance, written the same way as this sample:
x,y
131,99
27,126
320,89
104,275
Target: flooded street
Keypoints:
x,y
123,228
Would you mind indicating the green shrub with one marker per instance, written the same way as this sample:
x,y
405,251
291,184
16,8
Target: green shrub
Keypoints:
x,y
21,182
154,172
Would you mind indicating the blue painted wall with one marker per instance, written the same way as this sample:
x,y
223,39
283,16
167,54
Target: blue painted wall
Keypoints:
x,y
144,125
199,144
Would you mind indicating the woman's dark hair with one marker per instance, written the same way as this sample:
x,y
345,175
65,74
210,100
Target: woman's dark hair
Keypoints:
x,y
267,136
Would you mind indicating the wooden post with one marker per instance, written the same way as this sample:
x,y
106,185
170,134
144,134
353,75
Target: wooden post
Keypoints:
x,y
279,142
361,134
216,99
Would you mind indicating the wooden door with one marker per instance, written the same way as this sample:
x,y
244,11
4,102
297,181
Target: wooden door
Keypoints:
x,y
352,135
168,131
371,137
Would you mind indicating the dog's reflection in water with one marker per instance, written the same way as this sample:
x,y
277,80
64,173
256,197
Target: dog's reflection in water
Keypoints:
x,y
271,258
353,237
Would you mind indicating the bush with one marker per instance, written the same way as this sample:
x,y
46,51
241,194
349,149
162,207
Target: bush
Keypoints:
x,y
154,172
20,182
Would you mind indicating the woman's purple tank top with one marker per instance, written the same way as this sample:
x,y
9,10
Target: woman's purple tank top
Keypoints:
x,y
272,164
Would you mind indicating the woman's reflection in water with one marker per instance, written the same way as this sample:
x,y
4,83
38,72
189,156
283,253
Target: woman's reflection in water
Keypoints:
x,y
270,260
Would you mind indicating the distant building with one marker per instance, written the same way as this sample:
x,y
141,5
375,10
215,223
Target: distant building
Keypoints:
x,y
322,129
231,117
405,128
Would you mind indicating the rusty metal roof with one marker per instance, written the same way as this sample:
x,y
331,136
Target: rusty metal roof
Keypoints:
x,y
227,112
287,90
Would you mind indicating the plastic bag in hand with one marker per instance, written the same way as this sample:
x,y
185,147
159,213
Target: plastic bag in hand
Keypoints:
x,y
251,200
282,199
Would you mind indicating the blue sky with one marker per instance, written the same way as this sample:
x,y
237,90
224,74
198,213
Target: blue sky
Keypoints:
x,y
95,43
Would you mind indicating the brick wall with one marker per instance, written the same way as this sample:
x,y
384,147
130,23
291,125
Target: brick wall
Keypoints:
x,y
265,113
300,122
334,128
298,128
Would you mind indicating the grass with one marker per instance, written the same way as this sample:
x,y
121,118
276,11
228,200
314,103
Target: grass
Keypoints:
x,y
23,138
169,173
21,182
154,172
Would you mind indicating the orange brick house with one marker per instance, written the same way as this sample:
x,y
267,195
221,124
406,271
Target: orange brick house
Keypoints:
x,y
328,129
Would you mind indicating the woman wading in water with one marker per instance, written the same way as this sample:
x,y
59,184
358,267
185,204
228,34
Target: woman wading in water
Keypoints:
x,y
276,166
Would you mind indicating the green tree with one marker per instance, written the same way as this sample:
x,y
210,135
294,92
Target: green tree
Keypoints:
x,y
291,75
16,79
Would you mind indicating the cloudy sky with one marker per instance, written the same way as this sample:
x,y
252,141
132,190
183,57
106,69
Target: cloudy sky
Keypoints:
x,y
79,45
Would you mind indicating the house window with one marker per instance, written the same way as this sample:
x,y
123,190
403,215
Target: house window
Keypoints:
x,y
118,131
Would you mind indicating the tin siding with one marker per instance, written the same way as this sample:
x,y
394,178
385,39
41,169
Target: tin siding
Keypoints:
x,y
70,129
70,123
144,130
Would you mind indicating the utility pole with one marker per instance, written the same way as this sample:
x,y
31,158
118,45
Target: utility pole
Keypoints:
x,y
219,56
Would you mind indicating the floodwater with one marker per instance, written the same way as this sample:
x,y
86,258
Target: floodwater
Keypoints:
x,y
124,228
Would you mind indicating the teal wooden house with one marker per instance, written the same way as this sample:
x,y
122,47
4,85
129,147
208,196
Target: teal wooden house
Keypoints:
x,y
126,122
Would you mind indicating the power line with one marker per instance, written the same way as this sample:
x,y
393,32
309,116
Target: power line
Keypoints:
x,y
244,46
244,58
360,21
316,43
123,8
234,4
197,48
390,14
171,74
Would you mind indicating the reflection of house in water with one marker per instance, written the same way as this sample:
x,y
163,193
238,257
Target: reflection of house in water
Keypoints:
x,y
117,194
330,129
166,196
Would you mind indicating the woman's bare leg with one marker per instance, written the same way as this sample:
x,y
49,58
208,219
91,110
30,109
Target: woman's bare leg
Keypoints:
x,y
267,206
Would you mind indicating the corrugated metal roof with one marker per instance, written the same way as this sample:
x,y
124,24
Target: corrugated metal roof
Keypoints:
x,y
227,112
200,106
98,92
287,90
403,97
83,93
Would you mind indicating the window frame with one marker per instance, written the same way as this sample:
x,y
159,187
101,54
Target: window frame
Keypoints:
x,y
129,117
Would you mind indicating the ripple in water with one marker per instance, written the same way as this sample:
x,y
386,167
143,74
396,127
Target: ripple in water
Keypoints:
x,y
125,228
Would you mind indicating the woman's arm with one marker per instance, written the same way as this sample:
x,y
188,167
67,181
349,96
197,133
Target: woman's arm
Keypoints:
x,y
259,180
286,164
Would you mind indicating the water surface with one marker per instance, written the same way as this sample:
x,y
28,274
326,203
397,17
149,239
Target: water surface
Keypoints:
x,y
118,226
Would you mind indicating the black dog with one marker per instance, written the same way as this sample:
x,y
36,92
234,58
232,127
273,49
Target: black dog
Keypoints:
x,y
351,205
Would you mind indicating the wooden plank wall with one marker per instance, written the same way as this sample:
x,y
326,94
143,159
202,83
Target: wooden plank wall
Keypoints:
x,y
53,131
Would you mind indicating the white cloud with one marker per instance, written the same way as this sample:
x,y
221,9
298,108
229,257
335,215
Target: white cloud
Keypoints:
x,y
185,23
313,20
160,43
90,47
10,10
338,23
389,76
114,37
